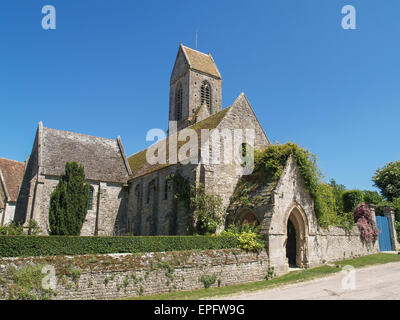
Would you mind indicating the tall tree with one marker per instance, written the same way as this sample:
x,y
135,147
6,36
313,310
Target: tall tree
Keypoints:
x,y
69,201
338,190
387,180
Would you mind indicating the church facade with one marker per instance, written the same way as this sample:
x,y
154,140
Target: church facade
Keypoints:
x,y
130,195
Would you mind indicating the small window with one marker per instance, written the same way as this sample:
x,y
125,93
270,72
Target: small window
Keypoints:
x,y
138,195
178,102
166,190
205,95
247,152
91,191
150,187
148,193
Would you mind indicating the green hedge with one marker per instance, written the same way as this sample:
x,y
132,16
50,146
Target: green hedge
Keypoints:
x,y
351,199
25,246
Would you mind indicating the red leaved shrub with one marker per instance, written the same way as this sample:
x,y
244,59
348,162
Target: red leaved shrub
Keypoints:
x,y
365,222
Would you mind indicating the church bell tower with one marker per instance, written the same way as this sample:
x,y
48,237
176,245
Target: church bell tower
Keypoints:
x,y
195,88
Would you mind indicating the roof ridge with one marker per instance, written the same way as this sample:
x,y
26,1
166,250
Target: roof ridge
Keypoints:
x,y
12,160
80,134
206,54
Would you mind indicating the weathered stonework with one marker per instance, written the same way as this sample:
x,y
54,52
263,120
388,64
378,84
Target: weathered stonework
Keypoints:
x,y
106,169
132,275
289,200
136,197
149,213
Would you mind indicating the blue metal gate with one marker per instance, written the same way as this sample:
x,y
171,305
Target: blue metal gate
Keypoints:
x,y
385,244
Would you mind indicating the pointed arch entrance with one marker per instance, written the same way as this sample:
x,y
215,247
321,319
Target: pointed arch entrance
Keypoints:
x,y
296,238
247,216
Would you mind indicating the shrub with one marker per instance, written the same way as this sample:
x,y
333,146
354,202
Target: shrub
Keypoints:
x,y
372,197
397,227
365,222
27,284
25,246
208,280
69,201
12,229
33,228
208,209
338,190
325,203
387,180
351,199
248,236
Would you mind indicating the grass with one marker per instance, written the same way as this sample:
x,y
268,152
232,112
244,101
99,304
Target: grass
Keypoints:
x,y
292,277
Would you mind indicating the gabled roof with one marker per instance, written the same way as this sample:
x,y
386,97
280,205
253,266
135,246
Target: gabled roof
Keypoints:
x,y
11,174
201,61
103,159
138,162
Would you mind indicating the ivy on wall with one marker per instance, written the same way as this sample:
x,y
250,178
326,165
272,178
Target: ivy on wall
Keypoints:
x,y
268,168
207,208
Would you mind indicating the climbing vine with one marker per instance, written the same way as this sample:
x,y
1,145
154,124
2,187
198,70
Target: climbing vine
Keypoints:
x,y
268,168
207,208
181,188
366,224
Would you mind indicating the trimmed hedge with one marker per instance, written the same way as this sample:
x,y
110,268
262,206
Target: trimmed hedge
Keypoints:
x,y
351,199
25,246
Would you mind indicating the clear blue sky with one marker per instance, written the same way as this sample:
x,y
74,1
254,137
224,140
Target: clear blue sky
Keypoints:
x,y
105,71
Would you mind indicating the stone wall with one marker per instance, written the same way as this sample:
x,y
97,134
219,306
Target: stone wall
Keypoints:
x,y
101,219
9,213
152,208
130,275
336,243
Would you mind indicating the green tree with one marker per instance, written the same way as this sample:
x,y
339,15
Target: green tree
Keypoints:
x,y
208,209
372,197
387,180
338,190
351,198
69,201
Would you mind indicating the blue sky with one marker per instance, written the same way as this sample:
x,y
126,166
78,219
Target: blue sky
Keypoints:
x,y
105,71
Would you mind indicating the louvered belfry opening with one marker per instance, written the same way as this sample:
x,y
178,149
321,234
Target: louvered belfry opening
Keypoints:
x,y
206,95
178,103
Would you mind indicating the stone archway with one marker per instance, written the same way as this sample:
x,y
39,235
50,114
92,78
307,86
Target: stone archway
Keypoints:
x,y
296,238
247,216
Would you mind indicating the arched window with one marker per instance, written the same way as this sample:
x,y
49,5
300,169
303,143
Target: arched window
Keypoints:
x,y
205,95
178,102
151,187
166,189
138,195
247,152
91,191
246,216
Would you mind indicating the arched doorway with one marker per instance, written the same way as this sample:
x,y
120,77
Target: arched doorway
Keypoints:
x,y
291,244
246,216
296,238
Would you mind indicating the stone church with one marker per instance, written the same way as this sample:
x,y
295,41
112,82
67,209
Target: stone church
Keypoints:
x,y
129,195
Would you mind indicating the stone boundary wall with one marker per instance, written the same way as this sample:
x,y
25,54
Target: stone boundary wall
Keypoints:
x,y
128,275
336,244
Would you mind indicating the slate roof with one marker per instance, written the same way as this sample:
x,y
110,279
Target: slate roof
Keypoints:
x,y
12,172
138,162
102,158
200,61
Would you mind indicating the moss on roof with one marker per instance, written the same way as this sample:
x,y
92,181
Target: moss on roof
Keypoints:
x,y
138,162
201,62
